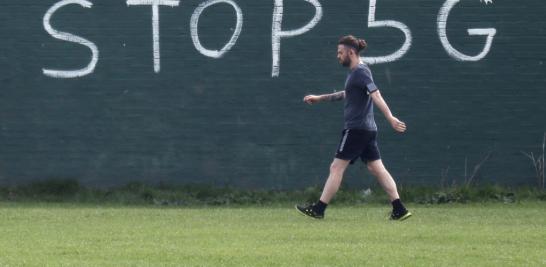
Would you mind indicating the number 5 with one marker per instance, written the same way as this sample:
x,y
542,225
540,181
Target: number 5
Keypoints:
x,y
372,23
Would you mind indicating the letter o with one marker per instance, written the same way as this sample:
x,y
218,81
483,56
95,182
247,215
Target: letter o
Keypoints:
x,y
194,23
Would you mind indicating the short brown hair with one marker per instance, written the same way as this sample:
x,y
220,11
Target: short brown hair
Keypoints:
x,y
353,42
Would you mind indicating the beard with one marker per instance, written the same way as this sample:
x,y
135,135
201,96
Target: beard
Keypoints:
x,y
346,62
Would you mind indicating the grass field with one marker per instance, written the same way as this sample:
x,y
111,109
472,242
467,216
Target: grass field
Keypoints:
x,y
437,235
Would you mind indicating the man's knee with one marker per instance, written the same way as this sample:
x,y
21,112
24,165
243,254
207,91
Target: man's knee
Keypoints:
x,y
337,167
375,168
371,169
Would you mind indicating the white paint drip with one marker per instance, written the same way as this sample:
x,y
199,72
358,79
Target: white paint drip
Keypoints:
x,y
277,33
70,38
451,51
155,24
372,23
194,27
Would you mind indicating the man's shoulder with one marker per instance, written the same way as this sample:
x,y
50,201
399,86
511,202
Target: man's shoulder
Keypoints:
x,y
364,67
362,70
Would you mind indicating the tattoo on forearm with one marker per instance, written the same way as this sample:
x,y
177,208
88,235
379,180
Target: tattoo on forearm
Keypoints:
x,y
334,97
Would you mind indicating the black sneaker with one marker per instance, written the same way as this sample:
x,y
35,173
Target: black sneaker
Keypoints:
x,y
309,211
400,216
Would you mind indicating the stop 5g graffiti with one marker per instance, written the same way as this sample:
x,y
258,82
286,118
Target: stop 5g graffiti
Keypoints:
x,y
277,33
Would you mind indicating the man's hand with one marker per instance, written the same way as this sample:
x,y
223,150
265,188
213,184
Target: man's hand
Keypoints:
x,y
311,99
397,125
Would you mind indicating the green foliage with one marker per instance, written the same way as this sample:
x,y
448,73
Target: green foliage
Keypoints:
x,y
46,190
465,194
191,195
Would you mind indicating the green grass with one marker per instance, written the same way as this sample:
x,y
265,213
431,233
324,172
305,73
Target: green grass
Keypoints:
x,y
491,234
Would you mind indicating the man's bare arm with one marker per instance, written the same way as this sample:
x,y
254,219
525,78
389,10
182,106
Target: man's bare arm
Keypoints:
x,y
337,96
378,100
312,99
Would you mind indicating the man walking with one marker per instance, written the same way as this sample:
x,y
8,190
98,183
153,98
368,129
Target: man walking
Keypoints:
x,y
360,131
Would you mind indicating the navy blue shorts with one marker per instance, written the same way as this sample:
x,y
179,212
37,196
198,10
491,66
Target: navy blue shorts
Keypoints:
x,y
357,143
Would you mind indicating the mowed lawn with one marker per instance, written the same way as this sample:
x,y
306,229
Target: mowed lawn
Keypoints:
x,y
438,235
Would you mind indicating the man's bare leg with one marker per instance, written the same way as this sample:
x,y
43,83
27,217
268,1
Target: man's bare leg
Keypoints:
x,y
377,169
384,178
337,168
316,210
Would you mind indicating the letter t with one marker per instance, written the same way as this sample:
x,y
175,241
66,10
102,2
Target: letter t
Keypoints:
x,y
155,23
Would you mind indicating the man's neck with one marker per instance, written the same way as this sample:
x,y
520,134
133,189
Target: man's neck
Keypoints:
x,y
354,63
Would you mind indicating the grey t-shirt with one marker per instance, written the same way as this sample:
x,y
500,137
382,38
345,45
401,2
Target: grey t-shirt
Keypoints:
x,y
358,111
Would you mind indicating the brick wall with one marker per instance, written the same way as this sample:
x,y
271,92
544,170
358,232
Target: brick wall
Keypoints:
x,y
185,115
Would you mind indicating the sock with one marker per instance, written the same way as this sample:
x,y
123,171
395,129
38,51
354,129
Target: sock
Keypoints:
x,y
319,207
398,207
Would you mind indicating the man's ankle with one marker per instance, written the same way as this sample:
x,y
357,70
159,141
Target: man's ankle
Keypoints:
x,y
319,207
398,207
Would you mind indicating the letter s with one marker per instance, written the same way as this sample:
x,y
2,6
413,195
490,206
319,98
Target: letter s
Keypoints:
x,y
70,38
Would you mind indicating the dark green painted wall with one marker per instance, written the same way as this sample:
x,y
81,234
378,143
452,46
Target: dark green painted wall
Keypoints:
x,y
228,121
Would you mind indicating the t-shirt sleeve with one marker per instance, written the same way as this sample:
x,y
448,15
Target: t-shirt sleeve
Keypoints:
x,y
367,80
